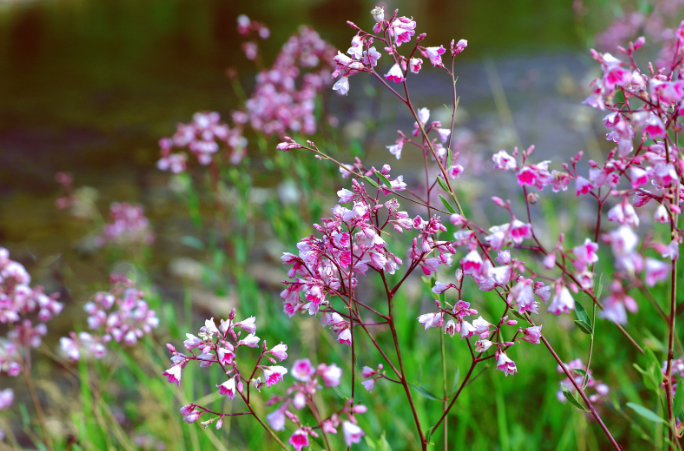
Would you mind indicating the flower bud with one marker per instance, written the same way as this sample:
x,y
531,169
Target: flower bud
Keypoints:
x,y
532,198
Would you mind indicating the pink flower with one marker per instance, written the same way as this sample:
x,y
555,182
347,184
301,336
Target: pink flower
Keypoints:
x,y
352,433
250,340
435,55
273,374
302,370
431,320
6,398
342,85
331,375
654,127
279,351
415,65
656,271
582,186
661,215
395,74
523,296
345,337
482,345
471,263
173,374
402,29
532,334
586,253
459,47
299,439
248,325
228,388
504,162
503,363
369,384
455,170
277,420
562,302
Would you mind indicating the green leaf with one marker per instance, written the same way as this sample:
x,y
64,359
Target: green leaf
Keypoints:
x,y
580,372
582,314
384,179
644,412
372,182
449,208
455,384
424,392
443,184
450,157
600,286
428,435
571,398
679,400
447,108
384,445
371,444
583,326
616,402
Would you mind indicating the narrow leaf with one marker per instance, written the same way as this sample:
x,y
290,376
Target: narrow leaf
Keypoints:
x,y
582,314
455,384
679,399
600,286
384,179
644,412
614,399
447,108
424,392
450,157
443,184
583,326
580,372
449,208
372,182
571,398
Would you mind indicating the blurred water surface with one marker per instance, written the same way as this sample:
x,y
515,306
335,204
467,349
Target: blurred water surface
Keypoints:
x,y
89,86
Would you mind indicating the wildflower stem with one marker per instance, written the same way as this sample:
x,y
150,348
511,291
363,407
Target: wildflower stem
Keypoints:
x,y
265,426
591,345
577,387
671,326
36,400
444,386
453,400
400,362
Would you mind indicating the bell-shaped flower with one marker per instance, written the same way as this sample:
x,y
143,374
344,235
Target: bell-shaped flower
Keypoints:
x,y
503,363
273,374
228,388
302,370
395,74
431,320
173,374
656,271
299,439
562,302
532,334
352,433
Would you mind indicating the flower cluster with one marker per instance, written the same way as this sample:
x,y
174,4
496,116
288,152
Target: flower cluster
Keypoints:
x,y
218,345
18,303
655,24
301,394
203,137
284,96
121,314
128,225
350,245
